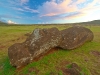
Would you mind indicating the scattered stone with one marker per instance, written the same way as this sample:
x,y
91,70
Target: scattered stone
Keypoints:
x,y
86,59
12,40
18,39
75,36
1,67
73,70
2,46
32,69
95,53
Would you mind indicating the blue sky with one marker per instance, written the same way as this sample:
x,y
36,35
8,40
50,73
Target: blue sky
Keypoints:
x,y
49,11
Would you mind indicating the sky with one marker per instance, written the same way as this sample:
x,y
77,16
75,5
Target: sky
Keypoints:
x,y
49,11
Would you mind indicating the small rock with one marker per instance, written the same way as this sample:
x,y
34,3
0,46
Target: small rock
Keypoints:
x,y
74,70
95,53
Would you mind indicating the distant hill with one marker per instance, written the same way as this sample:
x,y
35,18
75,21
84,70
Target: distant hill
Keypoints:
x,y
3,23
94,22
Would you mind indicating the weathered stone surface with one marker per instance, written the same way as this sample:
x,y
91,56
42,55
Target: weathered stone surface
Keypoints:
x,y
39,42
75,36
19,55
42,40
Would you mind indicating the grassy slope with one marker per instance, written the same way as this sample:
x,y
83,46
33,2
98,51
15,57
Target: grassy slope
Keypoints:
x,y
50,63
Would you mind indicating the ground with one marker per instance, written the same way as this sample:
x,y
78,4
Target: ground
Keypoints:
x,y
53,63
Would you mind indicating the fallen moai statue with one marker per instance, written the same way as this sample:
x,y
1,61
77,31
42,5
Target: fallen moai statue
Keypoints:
x,y
39,42
42,40
75,36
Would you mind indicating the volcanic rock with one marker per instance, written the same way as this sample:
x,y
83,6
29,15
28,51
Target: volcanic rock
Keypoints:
x,y
74,37
39,42
42,40
18,54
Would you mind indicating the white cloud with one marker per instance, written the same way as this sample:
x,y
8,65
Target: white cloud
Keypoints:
x,y
30,10
24,1
25,9
11,22
19,9
17,2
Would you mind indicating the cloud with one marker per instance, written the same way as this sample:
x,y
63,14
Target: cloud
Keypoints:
x,y
18,9
24,1
89,12
27,9
21,5
18,2
91,7
18,6
11,22
10,16
74,16
52,8
2,18
80,1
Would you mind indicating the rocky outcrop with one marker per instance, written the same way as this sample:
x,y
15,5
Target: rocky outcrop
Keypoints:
x,y
39,42
74,37
42,40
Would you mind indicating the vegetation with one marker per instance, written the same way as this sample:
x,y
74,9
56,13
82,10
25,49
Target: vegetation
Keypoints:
x,y
86,56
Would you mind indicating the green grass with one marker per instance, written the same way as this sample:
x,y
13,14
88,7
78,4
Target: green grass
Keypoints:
x,y
50,63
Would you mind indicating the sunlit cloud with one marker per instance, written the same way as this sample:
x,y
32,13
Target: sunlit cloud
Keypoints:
x,y
11,22
80,1
74,16
52,8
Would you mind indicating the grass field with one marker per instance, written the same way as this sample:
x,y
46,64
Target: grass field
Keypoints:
x,y
86,56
